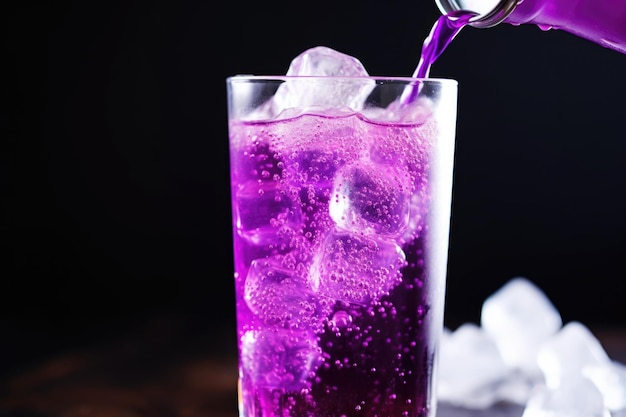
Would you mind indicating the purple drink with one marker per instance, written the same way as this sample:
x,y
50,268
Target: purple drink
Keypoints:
x,y
340,225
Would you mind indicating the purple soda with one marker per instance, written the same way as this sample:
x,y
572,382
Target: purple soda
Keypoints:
x,y
333,310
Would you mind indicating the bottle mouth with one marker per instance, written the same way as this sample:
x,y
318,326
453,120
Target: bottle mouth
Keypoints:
x,y
488,13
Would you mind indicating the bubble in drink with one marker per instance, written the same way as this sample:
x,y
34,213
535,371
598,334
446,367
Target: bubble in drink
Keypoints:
x,y
315,167
356,269
340,320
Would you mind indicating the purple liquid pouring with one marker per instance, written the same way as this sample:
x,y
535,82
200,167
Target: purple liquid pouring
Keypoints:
x,y
442,33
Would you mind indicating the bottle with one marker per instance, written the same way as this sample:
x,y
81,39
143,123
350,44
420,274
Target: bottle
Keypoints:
x,y
600,21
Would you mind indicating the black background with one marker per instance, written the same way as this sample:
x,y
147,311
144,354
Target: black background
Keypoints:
x,y
114,195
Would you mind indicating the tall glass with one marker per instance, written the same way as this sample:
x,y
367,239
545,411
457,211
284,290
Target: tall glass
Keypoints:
x,y
341,198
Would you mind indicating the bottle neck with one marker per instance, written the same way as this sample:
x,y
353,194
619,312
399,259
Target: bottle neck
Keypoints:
x,y
488,13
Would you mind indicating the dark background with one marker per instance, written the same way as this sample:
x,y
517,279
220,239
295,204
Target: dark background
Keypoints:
x,y
114,195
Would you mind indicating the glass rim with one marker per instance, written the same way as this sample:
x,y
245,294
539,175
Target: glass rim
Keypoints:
x,y
376,78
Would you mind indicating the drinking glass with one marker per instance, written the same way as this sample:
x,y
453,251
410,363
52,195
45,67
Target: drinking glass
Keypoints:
x,y
341,199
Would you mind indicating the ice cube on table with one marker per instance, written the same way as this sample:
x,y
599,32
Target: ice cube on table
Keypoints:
x,y
568,352
356,269
610,379
470,368
280,358
519,317
327,62
576,397
516,388
577,377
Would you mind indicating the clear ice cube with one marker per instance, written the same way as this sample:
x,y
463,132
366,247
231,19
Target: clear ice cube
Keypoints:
x,y
519,317
265,214
372,198
356,269
281,297
610,379
576,376
576,397
279,358
470,368
566,354
327,62
516,388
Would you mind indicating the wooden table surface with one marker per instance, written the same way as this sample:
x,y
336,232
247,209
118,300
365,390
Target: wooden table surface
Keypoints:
x,y
159,372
